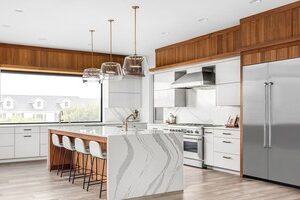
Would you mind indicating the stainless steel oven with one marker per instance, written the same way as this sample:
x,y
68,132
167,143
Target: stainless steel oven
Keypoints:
x,y
193,147
193,143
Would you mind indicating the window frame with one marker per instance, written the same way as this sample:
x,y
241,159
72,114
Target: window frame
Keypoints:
x,y
53,74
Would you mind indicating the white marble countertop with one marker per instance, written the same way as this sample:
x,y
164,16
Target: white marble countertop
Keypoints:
x,y
69,124
104,131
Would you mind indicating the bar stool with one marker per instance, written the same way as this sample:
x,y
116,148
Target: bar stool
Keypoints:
x,y
97,153
68,145
84,151
56,142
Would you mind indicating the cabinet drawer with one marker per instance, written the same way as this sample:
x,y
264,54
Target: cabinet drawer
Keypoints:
x,y
7,130
227,145
7,152
227,161
29,129
7,139
27,145
44,150
44,138
227,133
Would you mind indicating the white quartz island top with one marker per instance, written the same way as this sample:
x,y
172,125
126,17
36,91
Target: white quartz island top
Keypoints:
x,y
139,162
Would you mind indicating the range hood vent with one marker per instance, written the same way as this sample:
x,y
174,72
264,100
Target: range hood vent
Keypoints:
x,y
205,78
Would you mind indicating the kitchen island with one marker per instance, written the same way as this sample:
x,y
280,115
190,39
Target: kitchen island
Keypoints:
x,y
139,162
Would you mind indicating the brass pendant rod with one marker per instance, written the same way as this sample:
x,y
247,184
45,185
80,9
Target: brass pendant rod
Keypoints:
x,y
110,21
92,46
135,8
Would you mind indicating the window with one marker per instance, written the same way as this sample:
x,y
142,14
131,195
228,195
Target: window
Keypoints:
x,y
28,98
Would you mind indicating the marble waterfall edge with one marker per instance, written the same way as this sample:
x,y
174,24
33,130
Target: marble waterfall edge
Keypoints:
x,y
144,164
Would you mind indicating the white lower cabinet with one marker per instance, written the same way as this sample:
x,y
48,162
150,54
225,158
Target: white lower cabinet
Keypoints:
x,y
208,147
7,142
222,148
43,150
27,145
7,152
227,161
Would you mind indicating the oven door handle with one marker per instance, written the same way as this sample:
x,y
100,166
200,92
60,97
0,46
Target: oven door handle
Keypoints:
x,y
192,139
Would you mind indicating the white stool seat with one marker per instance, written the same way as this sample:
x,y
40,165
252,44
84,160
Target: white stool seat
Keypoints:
x,y
96,150
68,144
80,146
55,141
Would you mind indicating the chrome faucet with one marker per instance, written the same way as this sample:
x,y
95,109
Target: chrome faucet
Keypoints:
x,y
60,116
133,115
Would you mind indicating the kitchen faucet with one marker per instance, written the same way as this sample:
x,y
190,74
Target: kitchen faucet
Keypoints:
x,y
60,116
133,115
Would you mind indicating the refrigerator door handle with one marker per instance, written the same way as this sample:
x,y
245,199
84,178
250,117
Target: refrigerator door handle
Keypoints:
x,y
265,118
270,114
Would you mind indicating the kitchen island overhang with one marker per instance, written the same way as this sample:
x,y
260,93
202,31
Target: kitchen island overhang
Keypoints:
x,y
139,162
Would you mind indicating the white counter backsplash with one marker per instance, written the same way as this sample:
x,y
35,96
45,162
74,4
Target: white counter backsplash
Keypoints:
x,y
117,114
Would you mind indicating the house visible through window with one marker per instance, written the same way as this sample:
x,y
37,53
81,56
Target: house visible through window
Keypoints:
x,y
31,98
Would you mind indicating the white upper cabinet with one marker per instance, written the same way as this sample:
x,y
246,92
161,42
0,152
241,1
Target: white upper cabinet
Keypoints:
x,y
170,98
164,95
228,83
228,72
125,93
228,94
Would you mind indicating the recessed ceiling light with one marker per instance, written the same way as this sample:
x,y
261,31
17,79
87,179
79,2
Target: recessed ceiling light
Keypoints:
x,y
6,26
255,1
165,33
203,20
19,10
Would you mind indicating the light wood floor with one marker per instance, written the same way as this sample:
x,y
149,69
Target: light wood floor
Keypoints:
x,y
32,181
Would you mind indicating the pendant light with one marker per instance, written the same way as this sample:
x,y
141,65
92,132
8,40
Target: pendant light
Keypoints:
x,y
111,70
91,74
134,64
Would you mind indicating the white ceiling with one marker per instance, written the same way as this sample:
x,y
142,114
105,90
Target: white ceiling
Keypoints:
x,y
65,23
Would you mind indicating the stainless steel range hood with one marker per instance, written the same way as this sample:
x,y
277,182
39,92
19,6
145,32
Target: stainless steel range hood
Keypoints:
x,y
205,78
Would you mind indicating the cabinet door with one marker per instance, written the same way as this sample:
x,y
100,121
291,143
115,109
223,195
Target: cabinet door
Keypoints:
x,y
209,147
228,72
163,80
7,152
228,94
27,145
169,98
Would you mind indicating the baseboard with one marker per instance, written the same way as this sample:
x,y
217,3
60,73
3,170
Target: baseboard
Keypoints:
x,y
15,160
224,170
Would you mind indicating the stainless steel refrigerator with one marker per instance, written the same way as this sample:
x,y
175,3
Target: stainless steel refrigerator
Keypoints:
x,y
271,121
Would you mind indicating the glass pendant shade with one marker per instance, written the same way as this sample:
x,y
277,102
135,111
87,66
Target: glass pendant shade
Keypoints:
x,y
91,74
134,65
111,70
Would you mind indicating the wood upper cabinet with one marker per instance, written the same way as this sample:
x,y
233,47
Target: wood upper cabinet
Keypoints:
x,y
221,44
273,27
50,60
